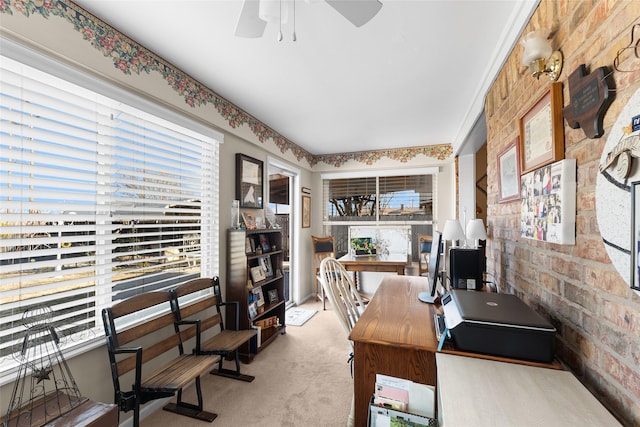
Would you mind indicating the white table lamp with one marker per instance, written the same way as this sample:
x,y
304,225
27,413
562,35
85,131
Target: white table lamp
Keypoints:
x,y
453,230
476,231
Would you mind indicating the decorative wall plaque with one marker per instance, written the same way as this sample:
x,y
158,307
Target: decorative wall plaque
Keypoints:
x,y
590,99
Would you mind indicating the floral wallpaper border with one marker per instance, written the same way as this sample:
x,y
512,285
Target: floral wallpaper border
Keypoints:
x,y
129,57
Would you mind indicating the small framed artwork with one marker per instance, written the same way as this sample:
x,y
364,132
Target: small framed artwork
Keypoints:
x,y
264,243
265,263
253,309
509,173
542,131
249,221
635,235
259,296
257,273
249,188
306,211
272,295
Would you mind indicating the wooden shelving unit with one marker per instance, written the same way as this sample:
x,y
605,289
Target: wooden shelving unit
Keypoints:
x,y
243,256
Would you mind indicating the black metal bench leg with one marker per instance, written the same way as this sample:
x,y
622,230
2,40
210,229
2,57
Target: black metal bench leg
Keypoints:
x,y
228,373
189,409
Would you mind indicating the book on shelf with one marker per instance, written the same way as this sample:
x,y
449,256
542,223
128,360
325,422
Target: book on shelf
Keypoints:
x,y
266,323
258,330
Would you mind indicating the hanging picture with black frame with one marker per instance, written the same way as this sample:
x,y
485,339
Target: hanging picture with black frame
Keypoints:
x,y
635,235
249,188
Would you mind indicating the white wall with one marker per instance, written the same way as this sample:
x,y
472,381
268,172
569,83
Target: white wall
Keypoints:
x,y
467,188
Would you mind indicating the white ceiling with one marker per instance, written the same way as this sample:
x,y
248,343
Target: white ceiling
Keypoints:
x,y
415,75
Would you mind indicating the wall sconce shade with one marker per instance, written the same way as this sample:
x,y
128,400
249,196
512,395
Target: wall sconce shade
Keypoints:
x,y
539,55
453,230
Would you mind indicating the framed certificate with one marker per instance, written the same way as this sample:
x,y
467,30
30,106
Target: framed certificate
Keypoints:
x,y
509,173
542,131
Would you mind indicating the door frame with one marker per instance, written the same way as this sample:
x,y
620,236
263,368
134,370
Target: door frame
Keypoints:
x,y
275,165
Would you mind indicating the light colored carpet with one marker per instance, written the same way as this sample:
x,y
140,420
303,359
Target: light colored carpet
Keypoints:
x,y
302,379
296,316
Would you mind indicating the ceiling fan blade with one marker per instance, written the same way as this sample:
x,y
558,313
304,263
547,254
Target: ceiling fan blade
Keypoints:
x,y
249,24
359,12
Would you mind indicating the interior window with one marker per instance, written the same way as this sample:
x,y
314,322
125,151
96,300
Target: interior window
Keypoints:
x,y
402,200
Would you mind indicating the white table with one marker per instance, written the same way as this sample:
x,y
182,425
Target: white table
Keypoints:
x,y
477,392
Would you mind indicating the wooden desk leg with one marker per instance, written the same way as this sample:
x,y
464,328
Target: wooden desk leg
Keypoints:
x,y
364,380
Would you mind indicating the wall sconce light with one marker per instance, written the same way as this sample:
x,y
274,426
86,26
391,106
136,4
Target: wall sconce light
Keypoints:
x,y
539,56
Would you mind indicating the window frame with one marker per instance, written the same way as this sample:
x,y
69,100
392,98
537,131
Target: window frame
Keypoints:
x,y
30,57
378,221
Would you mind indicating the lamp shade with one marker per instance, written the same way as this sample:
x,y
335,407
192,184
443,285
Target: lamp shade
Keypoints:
x,y
536,46
476,230
453,230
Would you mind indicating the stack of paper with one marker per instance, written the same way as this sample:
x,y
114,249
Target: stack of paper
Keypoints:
x,y
400,402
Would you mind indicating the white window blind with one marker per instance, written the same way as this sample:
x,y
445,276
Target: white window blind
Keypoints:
x,y
98,201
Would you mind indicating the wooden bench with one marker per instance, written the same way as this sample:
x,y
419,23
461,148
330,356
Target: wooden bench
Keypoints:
x,y
126,354
207,309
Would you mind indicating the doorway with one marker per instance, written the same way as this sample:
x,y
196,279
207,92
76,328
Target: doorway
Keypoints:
x,y
283,186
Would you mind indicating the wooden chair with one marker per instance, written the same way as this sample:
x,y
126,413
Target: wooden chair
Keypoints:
x,y
206,310
341,292
424,249
322,247
345,300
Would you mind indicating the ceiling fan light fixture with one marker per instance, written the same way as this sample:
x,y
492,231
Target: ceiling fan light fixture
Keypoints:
x,y
269,11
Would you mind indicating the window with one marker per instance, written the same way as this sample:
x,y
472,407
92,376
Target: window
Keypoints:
x,y
378,200
98,201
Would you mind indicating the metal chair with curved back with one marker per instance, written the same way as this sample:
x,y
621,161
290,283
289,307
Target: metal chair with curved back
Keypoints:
x,y
322,248
346,302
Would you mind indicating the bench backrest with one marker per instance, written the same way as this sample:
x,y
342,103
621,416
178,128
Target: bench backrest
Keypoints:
x,y
160,300
184,310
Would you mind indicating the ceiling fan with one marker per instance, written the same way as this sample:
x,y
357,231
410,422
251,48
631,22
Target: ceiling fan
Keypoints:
x,y
256,13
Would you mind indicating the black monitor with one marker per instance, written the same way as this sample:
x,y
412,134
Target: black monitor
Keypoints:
x,y
433,272
466,268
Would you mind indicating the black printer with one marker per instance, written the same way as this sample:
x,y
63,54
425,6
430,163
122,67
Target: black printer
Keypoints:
x,y
497,324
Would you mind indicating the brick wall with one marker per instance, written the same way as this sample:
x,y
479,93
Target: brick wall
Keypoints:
x,y
577,287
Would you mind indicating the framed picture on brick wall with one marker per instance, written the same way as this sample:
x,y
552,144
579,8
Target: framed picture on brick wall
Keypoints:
x,y
509,173
549,203
635,235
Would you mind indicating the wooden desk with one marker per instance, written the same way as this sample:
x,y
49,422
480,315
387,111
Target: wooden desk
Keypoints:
x,y
392,263
395,336
477,392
